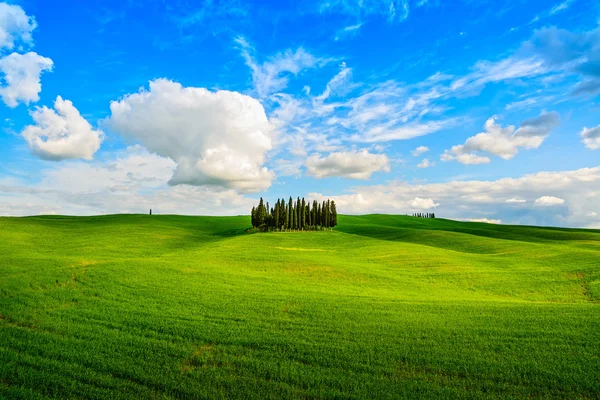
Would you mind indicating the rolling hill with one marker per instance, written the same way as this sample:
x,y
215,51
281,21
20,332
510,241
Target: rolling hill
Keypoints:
x,y
386,307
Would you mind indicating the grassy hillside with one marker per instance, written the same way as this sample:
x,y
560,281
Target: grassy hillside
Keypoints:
x,y
133,306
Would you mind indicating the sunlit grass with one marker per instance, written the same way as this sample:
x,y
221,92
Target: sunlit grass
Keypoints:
x,y
135,306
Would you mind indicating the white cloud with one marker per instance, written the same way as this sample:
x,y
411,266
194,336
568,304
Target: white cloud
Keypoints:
x,y
592,214
131,181
21,80
62,133
456,154
404,132
425,164
419,150
548,201
273,75
591,137
484,220
514,200
471,199
335,84
393,11
419,203
216,138
503,142
351,164
15,26
348,31
561,7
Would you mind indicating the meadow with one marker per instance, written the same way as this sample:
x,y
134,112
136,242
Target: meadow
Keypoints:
x,y
382,307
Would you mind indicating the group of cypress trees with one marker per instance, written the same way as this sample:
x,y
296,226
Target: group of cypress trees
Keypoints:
x,y
296,215
424,215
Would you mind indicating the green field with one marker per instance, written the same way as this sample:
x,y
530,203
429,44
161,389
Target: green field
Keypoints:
x,y
383,307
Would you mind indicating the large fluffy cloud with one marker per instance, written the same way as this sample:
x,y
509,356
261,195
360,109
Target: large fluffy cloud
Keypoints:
x,y
503,142
62,133
591,137
15,26
348,164
21,77
216,138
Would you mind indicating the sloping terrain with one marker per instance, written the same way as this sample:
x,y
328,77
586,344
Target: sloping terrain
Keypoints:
x,y
137,306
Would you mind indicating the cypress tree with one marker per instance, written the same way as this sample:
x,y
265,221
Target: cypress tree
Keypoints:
x,y
333,214
253,217
276,216
290,211
303,214
319,214
298,213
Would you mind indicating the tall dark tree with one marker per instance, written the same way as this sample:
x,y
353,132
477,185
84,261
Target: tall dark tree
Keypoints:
x,y
299,215
333,214
290,214
261,213
303,214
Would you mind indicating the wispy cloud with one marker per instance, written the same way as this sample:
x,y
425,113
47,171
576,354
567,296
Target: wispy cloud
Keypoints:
x,y
348,31
273,74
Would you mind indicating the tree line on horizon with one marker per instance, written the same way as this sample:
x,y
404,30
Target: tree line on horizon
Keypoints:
x,y
424,215
297,215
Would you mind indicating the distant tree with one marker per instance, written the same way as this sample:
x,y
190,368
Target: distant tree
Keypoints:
x,y
261,213
150,211
303,214
333,214
290,217
298,214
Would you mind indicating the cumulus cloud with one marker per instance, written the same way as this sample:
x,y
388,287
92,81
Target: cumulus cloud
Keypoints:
x,y
591,137
419,203
129,181
15,26
425,164
503,142
548,201
348,164
61,133
514,200
21,77
472,199
216,138
419,150
456,154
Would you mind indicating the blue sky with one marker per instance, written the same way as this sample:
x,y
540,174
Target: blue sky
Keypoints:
x,y
477,110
